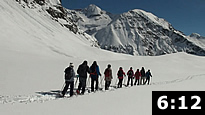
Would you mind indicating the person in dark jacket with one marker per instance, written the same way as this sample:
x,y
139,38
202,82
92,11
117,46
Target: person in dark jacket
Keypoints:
x,y
137,77
94,74
120,75
148,75
130,75
82,71
108,76
143,77
69,80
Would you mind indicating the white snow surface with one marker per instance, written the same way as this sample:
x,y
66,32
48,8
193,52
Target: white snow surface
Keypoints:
x,y
35,50
153,18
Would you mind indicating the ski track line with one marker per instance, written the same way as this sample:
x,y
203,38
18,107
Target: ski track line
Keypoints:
x,y
42,97
25,99
178,80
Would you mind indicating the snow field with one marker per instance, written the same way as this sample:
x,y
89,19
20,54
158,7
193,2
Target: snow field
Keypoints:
x,y
35,50
23,93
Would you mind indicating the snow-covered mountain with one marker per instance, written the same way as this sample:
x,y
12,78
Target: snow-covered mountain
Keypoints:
x,y
39,39
35,26
135,32
90,19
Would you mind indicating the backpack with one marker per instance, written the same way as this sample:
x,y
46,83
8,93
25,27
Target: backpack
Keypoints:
x,y
107,73
120,73
82,70
130,73
93,70
147,74
142,73
68,73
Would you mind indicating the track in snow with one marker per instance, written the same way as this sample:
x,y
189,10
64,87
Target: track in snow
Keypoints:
x,y
177,80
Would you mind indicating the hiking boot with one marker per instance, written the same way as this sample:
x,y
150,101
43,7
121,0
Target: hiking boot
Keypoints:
x,y
82,93
61,95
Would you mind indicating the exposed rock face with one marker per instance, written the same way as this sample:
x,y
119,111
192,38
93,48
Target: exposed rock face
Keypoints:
x,y
57,12
136,32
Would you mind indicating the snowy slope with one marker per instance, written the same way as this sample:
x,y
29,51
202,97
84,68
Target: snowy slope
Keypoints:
x,y
135,32
32,30
197,39
35,49
31,86
90,19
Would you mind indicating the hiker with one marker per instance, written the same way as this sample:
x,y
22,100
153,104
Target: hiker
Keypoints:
x,y
148,75
120,75
130,75
94,74
137,77
82,71
108,77
143,77
69,80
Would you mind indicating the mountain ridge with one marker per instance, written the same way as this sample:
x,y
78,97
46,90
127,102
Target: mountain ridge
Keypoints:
x,y
137,32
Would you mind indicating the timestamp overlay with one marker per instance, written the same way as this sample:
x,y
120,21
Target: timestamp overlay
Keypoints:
x,y
178,102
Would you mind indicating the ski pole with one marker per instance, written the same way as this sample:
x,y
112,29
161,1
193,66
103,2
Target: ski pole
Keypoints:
x,y
116,82
124,79
63,86
87,84
88,81
101,81
76,80
100,84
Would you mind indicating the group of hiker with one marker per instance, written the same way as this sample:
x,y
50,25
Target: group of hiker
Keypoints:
x,y
141,77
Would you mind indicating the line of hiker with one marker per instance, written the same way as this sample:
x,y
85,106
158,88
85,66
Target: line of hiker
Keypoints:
x,y
141,77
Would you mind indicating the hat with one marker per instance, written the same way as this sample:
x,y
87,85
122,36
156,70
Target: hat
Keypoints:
x,y
71,65
109,66
85,62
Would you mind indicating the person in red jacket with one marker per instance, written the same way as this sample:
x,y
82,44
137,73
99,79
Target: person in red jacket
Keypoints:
x,y
120,75
130,75
137,77
108,77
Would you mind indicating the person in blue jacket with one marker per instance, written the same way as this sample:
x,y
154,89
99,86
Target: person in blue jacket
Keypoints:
x,y
148,75
94,74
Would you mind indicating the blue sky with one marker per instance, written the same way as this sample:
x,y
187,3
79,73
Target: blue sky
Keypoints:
x,y
187,16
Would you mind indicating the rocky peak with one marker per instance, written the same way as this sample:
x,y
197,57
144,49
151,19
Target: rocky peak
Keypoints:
x,y
196,35
138,32
92,10
135,32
